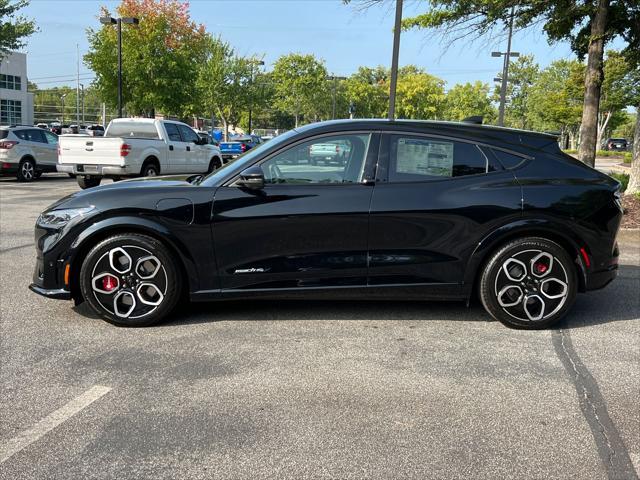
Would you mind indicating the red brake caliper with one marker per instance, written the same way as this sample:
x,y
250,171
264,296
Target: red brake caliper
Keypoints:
x,y
109,282
540,268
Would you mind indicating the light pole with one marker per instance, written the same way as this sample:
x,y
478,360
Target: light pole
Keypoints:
x,y
82,96
505,71
259,63
118,22
394,60
335,87
62,114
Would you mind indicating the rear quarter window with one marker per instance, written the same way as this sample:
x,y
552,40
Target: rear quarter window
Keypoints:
x,y
508,160
4,134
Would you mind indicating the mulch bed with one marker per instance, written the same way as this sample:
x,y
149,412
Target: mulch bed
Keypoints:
x,y
631,204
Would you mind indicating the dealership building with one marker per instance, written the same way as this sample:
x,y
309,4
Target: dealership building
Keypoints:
x,y
16,104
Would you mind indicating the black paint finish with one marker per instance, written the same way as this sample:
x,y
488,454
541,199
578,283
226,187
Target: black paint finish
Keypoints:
x,y
393,240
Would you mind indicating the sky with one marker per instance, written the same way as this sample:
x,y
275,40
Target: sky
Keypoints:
x,y
344,36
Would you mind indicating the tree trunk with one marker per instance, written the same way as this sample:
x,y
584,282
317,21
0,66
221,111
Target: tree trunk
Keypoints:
x,y
601,129
592,85
634,178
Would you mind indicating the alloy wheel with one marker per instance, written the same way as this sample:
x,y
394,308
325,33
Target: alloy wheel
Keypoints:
x,y
27,171
532,285
129,282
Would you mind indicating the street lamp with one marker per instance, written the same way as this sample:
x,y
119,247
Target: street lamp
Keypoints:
x,y
62,114
119,22
259,63
505,71
335,86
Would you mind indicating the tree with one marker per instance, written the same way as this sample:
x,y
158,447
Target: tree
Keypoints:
x,y
465,100
301,87
523,73
223,83
160,57
368,90
555,99
419,95
588,25
13,28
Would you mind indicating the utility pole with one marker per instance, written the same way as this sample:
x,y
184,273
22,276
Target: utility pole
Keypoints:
x,y
62,114
82,95
394,60
505,70
78,86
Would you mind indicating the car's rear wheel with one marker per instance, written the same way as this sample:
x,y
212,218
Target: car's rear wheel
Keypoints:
x,y
150,169
85,181
130,280
27,170
529,283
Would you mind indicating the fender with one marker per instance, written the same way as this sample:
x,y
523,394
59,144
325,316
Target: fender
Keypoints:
x,y
138,225
551,229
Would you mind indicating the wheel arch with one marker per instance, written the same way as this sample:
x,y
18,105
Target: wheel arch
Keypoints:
x,y
151,158
28,156
549,230
114,226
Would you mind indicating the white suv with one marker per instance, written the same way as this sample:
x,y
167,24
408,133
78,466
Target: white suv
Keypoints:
x,y
27,152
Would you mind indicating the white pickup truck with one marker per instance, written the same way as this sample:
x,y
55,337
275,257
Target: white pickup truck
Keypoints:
x,y
136,147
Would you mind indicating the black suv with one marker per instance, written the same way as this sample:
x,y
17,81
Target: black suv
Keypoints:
x,y
418,210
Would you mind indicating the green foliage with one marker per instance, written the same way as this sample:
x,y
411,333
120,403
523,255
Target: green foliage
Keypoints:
x,y
14,28
300,87
523,74
464,100
368,89
160,57
419,95
623,178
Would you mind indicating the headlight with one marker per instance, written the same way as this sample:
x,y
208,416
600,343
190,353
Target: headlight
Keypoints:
x,y
60,218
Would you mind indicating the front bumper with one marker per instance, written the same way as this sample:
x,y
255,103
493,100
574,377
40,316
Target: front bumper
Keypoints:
x,y
58,293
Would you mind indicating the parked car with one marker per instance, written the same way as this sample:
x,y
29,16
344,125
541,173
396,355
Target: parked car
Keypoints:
x,y
420,211
136,147
207,137
616,144
44,126
329,153
27,152
95,130
56,128
238,145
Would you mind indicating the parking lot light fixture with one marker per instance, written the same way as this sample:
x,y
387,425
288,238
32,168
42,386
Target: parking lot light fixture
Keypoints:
x,y
118,22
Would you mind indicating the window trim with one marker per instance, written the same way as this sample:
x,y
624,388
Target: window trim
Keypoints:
x,y
370,162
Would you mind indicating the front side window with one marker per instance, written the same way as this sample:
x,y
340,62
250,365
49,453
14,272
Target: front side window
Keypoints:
x,y
416,159
188,135
332,159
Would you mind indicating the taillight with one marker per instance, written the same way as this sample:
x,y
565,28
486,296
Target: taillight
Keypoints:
x,y
8,144
125,149
243,147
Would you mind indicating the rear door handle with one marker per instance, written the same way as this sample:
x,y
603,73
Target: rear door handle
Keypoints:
x,y
188,148
170,147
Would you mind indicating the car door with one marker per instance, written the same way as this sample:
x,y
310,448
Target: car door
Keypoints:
x,y
436,198
307,228
195,152
34,138
178,153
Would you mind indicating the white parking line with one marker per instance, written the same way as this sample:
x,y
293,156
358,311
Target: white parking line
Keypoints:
x,y
51,421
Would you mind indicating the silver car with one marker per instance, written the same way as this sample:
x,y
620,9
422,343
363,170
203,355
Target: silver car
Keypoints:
x,y
27,152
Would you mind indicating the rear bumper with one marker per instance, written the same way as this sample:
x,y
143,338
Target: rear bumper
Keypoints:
x,y
96,170
8,168
598,280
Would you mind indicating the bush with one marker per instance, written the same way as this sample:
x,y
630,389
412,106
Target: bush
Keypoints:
x,y
623,178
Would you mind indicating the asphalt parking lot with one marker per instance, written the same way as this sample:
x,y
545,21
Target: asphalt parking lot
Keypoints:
x,y
311,389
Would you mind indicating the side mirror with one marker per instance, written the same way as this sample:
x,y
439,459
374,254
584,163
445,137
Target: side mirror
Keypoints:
x,y
252,178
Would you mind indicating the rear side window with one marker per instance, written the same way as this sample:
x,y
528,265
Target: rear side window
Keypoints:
x,y
132,130
30,135
417,159
172,132
508,160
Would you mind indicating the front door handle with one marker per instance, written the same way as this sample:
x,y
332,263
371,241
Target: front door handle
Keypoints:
x,y
170,147
188,148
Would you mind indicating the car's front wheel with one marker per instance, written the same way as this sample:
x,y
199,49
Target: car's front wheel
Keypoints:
x,y
130,280
529,283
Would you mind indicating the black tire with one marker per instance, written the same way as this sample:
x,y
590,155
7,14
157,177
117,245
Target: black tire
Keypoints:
x,y
88,182
125,304
150,169
532,297
214,164
27,170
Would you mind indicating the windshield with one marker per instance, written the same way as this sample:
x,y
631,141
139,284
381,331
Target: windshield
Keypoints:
x,y
239,163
